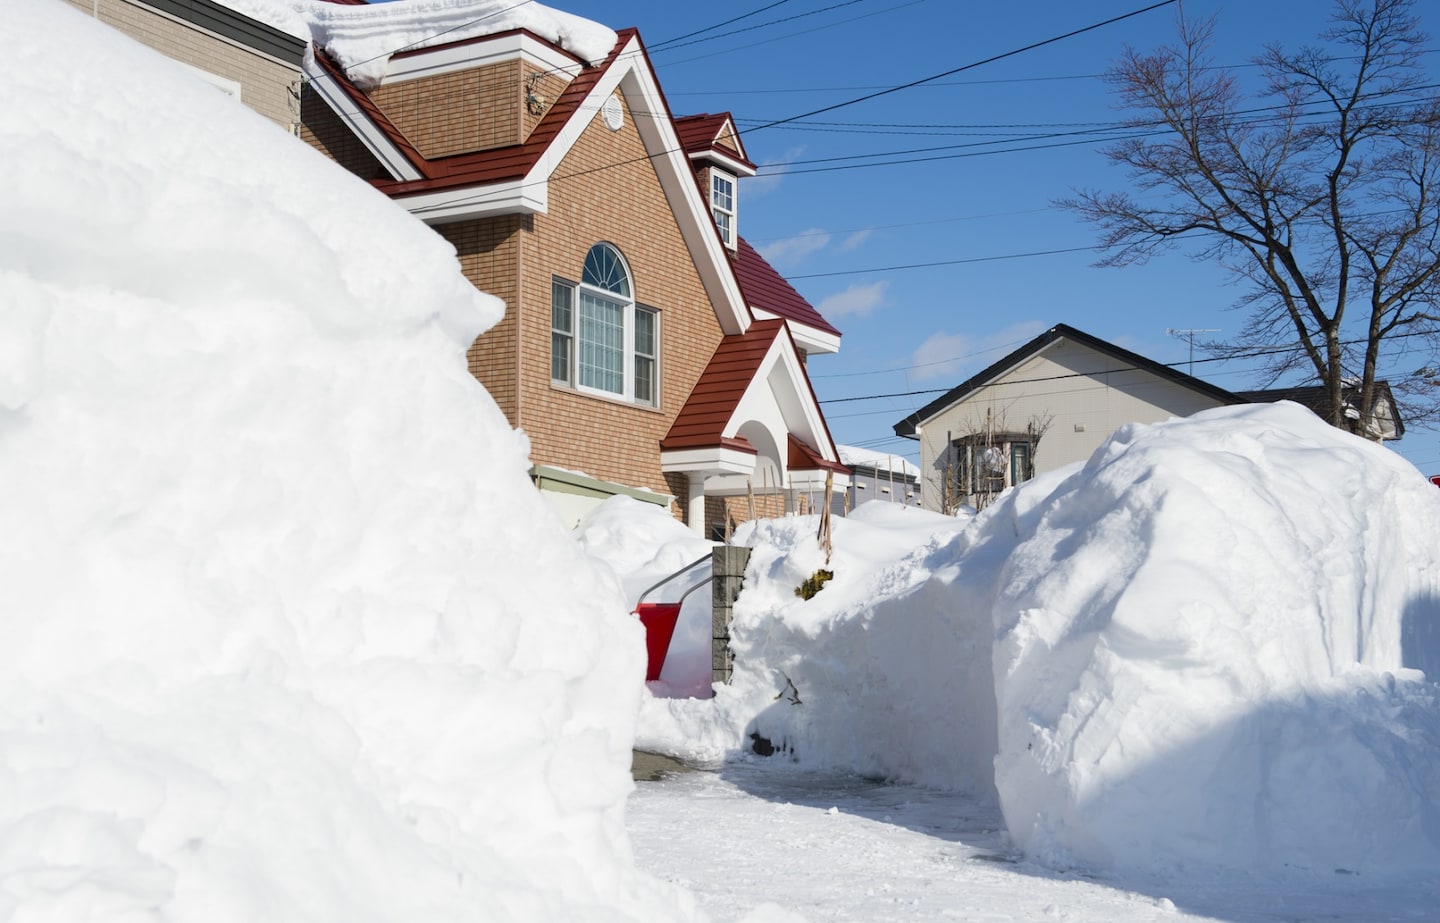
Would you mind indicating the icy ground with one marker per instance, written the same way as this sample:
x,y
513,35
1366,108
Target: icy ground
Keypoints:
x,y
760,842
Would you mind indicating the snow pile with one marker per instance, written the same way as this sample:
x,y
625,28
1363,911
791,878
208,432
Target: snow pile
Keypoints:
x,y
1200,652
857,656
1190,653
362,39
641,544
287,634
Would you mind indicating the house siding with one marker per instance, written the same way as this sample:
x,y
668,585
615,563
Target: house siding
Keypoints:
x,y
475,109
489,254
322,129
1085,395
606,190
267,84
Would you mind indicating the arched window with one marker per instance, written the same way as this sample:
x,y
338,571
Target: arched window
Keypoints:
x,y
600,339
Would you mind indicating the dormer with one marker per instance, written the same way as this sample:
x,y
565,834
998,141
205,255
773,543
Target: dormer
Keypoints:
x,y
718,158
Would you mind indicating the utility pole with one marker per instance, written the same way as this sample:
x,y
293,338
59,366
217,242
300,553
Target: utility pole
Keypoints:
x,y
1189,335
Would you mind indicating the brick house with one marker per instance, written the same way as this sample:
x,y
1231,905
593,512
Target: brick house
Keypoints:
x,y
249,60
645,349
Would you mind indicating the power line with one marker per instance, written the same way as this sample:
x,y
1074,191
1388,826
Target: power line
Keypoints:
x,y
973,259
1239,355
674,43
971,66
781,38
718,25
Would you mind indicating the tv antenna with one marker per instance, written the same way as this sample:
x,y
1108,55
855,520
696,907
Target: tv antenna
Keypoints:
x,y
1189,336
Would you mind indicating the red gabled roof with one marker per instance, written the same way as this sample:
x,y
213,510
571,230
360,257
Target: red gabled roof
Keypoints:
x,y
804,458
712,402
700,133
502,164
766,289
716,396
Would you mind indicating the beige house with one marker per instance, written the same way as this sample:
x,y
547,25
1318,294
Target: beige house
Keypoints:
x,y
1052,402
242,57
645,349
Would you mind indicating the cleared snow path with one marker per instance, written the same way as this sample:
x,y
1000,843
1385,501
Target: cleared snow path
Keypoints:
x,y
766,844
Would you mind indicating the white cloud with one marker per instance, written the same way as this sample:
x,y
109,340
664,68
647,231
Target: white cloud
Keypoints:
x,y
855,301
769,178
792,250
854,241
956,356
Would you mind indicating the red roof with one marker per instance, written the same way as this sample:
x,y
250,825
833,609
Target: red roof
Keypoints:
x,y
699,133
497,165
717,394
804,458
767,290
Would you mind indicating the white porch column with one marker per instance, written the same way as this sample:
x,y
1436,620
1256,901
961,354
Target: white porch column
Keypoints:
x,y
695,503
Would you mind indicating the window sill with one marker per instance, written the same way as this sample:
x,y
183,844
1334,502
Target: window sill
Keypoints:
x,y
603,398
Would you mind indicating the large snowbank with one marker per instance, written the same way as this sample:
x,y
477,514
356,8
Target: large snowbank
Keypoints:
x,y
1200,655
286,633
1189,653
363,38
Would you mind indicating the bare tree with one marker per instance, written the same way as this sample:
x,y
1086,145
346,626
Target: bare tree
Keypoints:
x,y
1321,194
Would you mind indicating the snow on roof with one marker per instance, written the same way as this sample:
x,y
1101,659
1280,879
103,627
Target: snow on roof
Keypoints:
x,y
854,456
363,38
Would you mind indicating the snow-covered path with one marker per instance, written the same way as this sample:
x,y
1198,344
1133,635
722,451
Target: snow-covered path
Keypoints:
x,y
834,847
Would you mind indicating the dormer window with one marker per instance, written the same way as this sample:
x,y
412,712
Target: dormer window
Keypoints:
x,y
722,204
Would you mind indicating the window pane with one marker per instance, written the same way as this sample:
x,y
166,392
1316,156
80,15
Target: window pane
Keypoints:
x,y
723,191
560,357
644,332
644,380
561,303
604,269
722,221
562,319
602,344
647,346
1019,462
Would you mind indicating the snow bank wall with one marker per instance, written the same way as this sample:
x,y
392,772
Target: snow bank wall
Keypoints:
x,y
281,636
1200,647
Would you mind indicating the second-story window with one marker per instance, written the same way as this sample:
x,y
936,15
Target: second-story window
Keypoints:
x,y
722,204
600,339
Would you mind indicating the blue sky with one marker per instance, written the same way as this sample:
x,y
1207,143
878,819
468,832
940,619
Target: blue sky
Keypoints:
x,y
967,191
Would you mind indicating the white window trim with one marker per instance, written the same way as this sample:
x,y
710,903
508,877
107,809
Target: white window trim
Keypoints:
x,y
732,211
630,308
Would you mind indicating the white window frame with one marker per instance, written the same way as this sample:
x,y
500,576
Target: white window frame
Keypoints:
x,y
571,337
725,215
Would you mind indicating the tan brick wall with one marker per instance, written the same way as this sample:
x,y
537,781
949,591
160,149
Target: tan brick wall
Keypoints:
x,y
545,86
265,85
613,195
471,110
730,512
489,252
727,140
321,128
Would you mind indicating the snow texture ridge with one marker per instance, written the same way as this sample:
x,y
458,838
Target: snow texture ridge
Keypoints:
x,y
1201,651
362,39
1205,625
282,638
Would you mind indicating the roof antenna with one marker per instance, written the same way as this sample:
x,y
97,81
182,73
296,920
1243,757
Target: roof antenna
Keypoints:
x,y
1190,336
